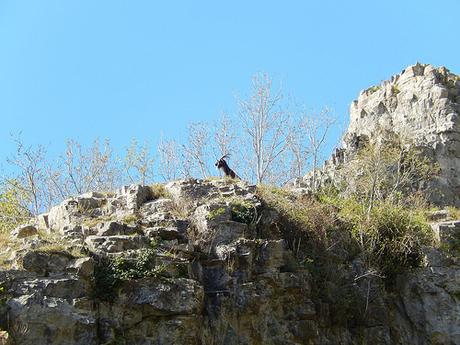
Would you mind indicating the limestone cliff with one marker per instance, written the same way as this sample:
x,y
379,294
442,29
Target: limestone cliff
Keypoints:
x,y
421,105
210,262
205,262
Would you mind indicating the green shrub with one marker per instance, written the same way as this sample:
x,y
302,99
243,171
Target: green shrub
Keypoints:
x,y
243,212
391,236
216,213
305,222
395,237
12,213
140,266
109,273
105,281
454,212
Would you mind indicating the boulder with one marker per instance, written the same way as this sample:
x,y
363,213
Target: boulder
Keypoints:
x,y
43,320
116,228
44,263
116,243
83,267
62,215
159,297
135,196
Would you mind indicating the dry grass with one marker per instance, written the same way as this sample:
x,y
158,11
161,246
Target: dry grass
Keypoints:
x,y
181,208
130,218
159,191
454,212
92,222
7,245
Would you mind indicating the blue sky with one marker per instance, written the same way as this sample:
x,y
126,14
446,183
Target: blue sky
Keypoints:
x,y
122,69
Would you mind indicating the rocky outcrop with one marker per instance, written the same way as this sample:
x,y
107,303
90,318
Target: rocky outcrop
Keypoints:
x,y
208,265
422,106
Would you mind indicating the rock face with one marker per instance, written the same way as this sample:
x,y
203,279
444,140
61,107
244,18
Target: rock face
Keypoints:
x,y
204,274
421,105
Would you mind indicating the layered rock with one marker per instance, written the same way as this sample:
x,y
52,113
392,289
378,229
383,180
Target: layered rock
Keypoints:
x,y
213,278
422,106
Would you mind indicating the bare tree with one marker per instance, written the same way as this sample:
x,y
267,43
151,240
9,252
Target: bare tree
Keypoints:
x,y
169,160
266,126
316,126
12,208
298,148
29,182
196,150
223,135
89,169
138,163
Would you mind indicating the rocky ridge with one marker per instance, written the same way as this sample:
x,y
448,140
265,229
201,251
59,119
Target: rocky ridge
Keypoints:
x,y
422,106
204,263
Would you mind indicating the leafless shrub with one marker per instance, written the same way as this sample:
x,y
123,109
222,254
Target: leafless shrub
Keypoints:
x,y
138,163
196,150
169,163
266,129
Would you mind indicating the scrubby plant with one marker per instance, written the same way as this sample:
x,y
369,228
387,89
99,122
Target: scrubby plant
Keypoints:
x,y
181,208
130,218
12,212
215,213
141,265
392,170
390,236
373,89
50,242
243,211
109,273
395,236
454,212
92,222
305,221
159,191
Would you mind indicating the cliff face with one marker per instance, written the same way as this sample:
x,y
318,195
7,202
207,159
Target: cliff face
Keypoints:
x,y
421,105
190,266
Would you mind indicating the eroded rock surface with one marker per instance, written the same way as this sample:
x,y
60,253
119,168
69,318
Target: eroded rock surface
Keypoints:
x,y
214,278
421,105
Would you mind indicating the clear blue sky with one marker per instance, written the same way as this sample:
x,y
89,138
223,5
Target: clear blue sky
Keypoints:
x,y
122,69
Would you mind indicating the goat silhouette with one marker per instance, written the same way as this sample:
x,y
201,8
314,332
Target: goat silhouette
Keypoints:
x,y
222,165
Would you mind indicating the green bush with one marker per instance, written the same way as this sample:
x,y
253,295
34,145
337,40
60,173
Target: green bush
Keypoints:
x,y
243,212
109,273
391,236
395,237
12,213
216,213
140,266
305,222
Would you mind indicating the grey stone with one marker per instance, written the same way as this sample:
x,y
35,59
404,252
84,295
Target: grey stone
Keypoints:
x,y
135,196
159,297
418,105
115,228
83,267
115,244
44,263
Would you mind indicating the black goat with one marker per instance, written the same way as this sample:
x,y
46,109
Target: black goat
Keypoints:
x,y
222,164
